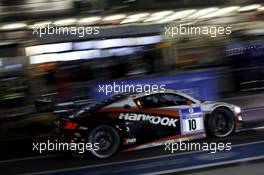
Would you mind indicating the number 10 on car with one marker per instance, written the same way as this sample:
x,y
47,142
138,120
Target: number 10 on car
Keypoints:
x,y
191,120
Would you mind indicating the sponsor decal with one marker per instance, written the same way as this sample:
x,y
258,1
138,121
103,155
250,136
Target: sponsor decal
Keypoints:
x,y
191,110
130,140
156,120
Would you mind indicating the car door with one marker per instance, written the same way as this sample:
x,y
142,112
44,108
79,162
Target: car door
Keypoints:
x,y
171,114
191,116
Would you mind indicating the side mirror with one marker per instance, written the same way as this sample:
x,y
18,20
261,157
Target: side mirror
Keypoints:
x,y
127,106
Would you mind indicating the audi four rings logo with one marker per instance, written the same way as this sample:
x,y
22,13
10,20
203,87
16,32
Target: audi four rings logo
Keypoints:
x,y
165,121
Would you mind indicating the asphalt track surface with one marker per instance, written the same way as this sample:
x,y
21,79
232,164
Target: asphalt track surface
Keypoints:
x,y
247,153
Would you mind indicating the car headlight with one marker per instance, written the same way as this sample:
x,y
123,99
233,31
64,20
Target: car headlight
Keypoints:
x,y
237,110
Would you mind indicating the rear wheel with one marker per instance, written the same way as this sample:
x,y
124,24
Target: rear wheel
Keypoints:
x,y
221,123
108,141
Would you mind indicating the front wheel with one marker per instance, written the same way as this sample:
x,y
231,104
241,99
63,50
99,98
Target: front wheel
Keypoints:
x,y
108,141
221,123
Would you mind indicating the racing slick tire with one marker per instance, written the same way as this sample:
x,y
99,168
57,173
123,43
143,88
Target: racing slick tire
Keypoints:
x,y
108,140
220,123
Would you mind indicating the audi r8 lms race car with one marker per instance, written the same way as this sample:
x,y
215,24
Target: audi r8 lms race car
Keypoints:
x,y
132,121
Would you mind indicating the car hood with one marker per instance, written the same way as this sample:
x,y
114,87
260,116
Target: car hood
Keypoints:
x,y
208,106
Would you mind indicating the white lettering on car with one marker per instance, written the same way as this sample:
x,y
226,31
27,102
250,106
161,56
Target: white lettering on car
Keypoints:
x,y
156,120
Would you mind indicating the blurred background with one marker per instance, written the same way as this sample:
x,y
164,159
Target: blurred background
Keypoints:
x,y
52,75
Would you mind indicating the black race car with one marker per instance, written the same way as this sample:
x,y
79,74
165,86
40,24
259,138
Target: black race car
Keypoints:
x,y
134,121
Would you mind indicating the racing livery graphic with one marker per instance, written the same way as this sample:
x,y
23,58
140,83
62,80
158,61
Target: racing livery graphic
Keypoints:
x,y
131,121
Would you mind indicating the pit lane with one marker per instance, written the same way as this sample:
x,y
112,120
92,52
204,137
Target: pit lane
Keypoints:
x,y
19,159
